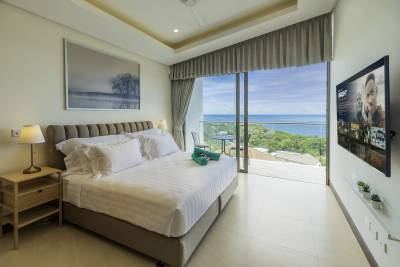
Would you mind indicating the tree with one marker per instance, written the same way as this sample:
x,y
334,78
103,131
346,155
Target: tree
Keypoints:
x,y
126,85
267,138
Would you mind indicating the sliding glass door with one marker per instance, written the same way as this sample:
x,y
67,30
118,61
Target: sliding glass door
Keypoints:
x,y
287,123
272,121
242,122
223,108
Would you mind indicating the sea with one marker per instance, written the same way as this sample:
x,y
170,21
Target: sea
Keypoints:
x,y
310,125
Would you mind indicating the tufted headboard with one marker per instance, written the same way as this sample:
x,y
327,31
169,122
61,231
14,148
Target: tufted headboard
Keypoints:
x,y
58,133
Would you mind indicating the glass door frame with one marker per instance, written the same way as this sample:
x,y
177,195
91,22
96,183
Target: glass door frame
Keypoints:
x,y
245,166
246,122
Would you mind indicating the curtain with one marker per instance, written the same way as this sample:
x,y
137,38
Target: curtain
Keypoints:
x,y
181,94
304,43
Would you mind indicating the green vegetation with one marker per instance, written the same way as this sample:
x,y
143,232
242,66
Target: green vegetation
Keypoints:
x,y
375,197
266,138
366,188
361,183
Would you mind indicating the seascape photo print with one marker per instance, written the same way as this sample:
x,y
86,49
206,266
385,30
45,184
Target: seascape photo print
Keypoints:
x,y
95,80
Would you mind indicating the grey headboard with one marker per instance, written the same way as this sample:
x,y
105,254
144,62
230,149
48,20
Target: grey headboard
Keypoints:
x,y
58,133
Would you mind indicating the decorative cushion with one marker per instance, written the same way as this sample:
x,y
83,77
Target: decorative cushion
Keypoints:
x,y
157,145
67,146
105,159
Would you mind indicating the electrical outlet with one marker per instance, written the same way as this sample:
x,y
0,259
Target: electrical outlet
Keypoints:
x,y
15,133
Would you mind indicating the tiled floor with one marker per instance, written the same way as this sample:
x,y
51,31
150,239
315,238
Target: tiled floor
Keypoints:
x,y
269,222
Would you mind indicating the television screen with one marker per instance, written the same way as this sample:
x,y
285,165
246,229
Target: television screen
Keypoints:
x,y
363,110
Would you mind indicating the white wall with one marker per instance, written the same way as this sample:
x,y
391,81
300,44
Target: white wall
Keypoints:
x,y
32,82
366,30
194,116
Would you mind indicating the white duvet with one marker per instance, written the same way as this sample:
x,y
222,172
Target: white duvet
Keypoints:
x,y
165,195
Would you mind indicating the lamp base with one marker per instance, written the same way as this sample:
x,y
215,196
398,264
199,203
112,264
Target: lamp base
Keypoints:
x,y
31,169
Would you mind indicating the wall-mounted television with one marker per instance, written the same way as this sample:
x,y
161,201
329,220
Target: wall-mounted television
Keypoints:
x,y
363,115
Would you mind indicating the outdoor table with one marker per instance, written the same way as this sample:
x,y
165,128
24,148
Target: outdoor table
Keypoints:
x,y
223,138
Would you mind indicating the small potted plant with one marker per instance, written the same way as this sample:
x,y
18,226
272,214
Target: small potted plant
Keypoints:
x,y
360,185
376,201
366,191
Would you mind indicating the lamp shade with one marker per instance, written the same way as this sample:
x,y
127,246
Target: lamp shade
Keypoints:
x,y
31,134
162,124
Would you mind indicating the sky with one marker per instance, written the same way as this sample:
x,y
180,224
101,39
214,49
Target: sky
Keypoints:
x,y
295,90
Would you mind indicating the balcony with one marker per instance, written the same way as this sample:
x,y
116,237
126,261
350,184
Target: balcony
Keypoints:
x,y
286,150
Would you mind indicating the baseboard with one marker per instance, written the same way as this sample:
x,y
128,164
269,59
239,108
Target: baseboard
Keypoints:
x,y
356,233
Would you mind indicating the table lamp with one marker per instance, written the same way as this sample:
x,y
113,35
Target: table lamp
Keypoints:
x,y
162,124
31,134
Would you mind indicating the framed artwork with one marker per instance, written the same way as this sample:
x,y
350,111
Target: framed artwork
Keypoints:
x,y
98,81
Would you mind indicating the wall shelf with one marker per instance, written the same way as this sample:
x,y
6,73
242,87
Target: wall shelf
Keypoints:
x,y
377,214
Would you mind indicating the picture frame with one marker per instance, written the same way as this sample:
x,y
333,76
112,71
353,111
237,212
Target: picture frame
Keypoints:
x,y
97,80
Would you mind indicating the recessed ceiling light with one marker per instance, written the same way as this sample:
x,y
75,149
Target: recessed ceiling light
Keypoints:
x,y
188,2
176,30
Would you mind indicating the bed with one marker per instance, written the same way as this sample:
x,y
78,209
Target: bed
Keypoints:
x,y
162,208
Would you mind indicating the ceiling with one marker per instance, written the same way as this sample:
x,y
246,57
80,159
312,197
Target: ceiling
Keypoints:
x,y
158,18
146,27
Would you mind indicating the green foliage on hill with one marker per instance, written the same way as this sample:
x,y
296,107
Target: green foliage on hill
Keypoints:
x,y
272,140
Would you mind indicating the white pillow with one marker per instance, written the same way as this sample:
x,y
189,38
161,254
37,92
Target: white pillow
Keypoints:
x,y
122,156
144,132
77,163
70,145
102,160
158,145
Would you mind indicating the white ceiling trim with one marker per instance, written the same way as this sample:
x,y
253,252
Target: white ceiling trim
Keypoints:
x,y
84,17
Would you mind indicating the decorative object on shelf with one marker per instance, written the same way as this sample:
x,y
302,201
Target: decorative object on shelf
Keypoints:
x,y
366,191
376,201
360,185
31,134
162,124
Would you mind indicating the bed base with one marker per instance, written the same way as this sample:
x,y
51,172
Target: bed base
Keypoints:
x,y
174,251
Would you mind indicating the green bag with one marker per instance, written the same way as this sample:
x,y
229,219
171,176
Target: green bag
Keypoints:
x,y
214,156
199,160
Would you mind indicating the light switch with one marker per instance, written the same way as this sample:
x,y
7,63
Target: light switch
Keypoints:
x,y
15,133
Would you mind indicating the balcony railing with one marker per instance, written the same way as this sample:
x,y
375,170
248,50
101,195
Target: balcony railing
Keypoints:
x,y
295,142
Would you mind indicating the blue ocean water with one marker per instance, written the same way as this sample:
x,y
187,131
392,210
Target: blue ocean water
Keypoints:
x,y
311,125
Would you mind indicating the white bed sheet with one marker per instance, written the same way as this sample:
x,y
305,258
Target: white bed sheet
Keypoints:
x,y
166,195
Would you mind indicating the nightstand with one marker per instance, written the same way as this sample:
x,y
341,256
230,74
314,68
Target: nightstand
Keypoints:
x,y
30,198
